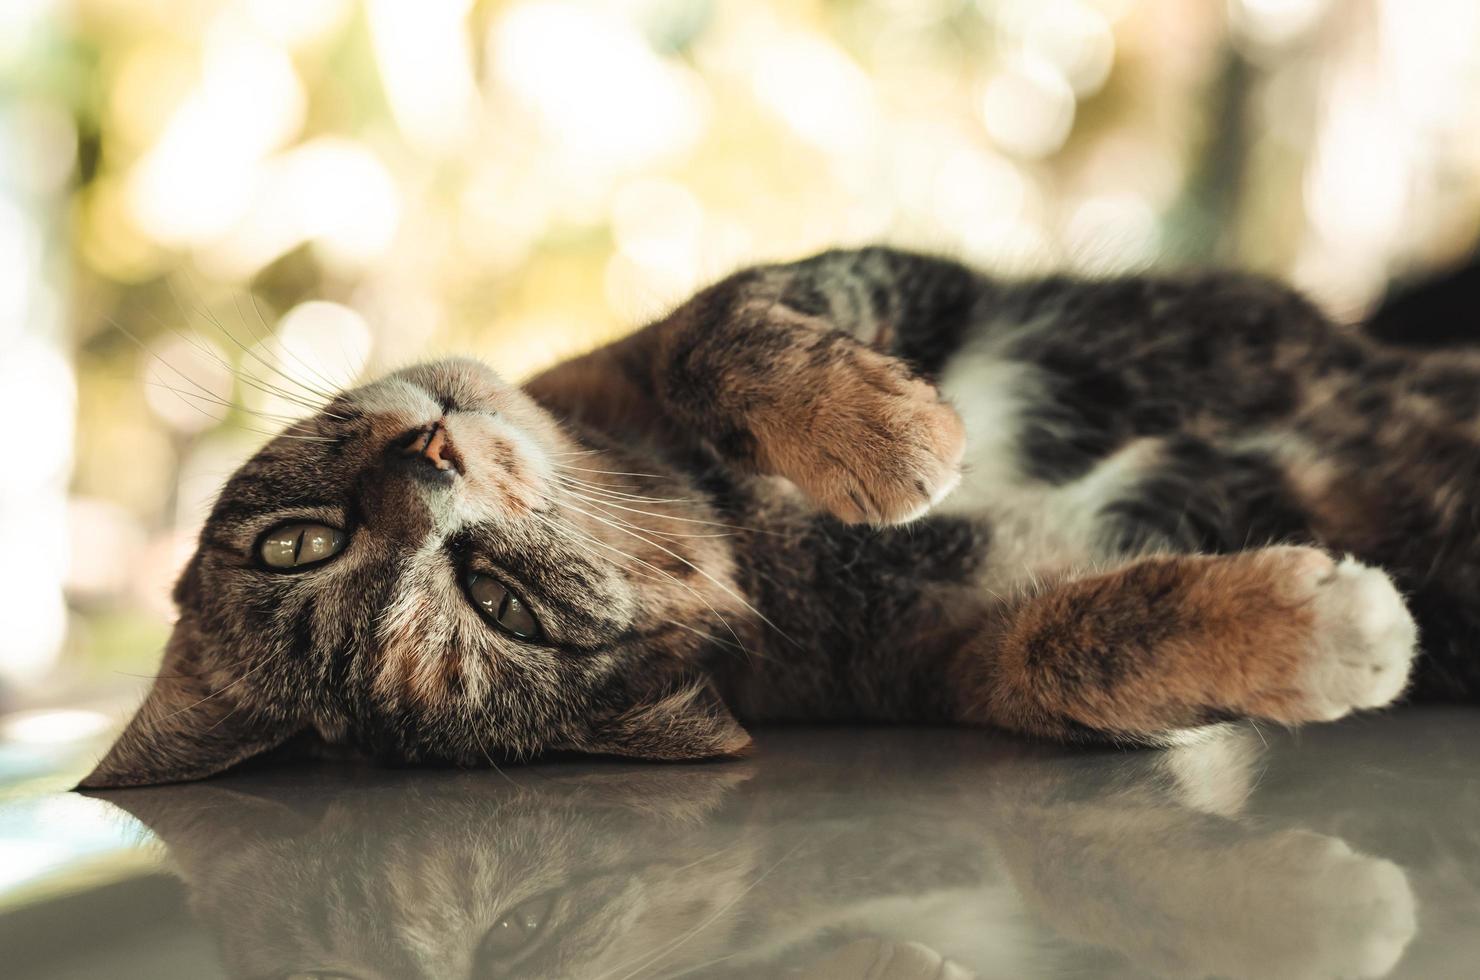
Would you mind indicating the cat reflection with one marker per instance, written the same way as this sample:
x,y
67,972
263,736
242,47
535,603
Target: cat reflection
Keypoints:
x,y
972,858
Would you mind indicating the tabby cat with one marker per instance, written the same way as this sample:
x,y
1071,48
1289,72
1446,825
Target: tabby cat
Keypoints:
x,y
870,485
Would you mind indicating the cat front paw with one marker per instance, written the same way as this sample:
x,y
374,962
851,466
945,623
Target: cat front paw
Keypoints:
x,y
1363,640
869,441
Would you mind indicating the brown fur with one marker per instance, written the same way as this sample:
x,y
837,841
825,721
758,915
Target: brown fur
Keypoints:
x,y
854,429
1162,644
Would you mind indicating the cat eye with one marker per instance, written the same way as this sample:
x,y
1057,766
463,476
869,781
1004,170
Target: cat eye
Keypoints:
x,y
502,607
299,544
516,928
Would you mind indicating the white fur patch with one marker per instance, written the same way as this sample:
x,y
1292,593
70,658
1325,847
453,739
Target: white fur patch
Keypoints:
x,y
1214,770
398,399
1037,526
1365,640
416,630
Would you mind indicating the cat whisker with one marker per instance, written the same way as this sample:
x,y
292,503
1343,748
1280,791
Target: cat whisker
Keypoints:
x,y
284,348
184,396
311,402
247,378
649,571
619,494
666,534
615,494
315,401
205,312
625,522
579,489
214,694
289,435
223,403
673,554
698,632
609,489
482,747
671,517
314,404
239,372
654,572
204,392
182,675
587,469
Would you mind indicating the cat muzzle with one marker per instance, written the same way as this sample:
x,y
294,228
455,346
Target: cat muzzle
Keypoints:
x,y
431,452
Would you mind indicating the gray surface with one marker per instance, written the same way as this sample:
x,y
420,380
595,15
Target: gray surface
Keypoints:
x,y
1346,850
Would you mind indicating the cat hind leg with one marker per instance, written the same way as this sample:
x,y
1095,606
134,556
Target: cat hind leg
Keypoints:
x,y
1174,642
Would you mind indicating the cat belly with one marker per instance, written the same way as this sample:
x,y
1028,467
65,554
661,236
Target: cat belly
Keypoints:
x,y
1037,526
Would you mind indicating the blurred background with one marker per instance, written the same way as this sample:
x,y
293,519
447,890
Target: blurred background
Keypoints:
x,y
198,194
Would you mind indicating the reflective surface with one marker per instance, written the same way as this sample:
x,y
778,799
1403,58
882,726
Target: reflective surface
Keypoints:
x,y
1340,851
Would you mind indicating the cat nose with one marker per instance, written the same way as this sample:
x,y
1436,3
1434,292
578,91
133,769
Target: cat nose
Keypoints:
x,y
431,448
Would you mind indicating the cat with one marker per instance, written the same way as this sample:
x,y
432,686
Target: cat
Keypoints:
x,y
976,856
868,485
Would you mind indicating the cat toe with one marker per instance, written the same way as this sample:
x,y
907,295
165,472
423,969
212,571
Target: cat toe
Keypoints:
x,y
1364,641
894,469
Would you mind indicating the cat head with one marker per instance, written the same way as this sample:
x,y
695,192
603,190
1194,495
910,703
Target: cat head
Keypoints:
x,y
432,568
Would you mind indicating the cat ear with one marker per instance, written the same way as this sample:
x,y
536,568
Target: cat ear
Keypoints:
x,y
688,724
184,731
